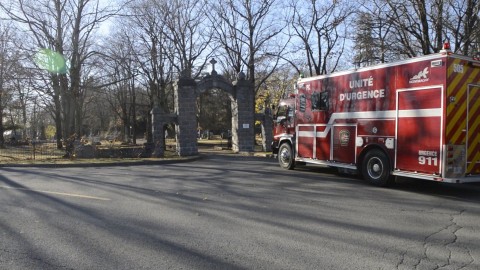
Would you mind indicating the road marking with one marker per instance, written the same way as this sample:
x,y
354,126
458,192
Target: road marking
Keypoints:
x,y
59,193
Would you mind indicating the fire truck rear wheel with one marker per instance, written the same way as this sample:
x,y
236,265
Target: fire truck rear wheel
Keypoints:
x,y
376,168
285,156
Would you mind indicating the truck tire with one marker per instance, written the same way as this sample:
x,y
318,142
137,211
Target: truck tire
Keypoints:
x,y
376,168
285,156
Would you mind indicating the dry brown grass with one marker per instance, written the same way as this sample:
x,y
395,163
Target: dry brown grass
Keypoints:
x,y
49,154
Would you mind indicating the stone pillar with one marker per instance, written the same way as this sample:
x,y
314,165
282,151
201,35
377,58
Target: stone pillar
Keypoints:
x,y
267,133
267,129
158,135
234,106
159,120
243,116
186,126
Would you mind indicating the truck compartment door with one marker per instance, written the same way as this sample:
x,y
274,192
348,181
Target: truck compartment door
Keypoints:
x,y
322,147
343,143
305,140
419,130
473,130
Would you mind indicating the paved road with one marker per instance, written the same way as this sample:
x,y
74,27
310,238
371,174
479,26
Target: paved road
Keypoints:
x,y
230,212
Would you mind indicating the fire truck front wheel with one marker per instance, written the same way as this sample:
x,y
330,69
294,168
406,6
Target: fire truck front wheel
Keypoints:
x,y
376,168
285,156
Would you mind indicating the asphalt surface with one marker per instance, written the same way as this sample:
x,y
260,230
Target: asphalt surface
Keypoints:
x,y
231,212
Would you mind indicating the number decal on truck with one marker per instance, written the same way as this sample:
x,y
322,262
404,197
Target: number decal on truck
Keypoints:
x,y
457,68
423,160
429,158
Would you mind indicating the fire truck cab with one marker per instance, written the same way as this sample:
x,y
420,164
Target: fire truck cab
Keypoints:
x,y
417,118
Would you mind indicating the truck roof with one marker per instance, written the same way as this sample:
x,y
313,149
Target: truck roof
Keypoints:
x,y
441,54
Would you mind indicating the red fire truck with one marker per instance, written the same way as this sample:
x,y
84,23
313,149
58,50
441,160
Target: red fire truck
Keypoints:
x,y
416,118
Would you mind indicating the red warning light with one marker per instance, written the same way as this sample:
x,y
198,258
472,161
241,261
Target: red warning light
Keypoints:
x,y
446,45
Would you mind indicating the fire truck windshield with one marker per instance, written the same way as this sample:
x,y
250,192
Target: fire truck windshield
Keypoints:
x,y
283,112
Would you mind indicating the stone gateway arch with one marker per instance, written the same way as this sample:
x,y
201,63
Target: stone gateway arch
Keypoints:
x,y
186,91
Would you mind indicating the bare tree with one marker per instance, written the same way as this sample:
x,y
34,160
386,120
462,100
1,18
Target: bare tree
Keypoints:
x,y
9,70
248,35
24,95
228,38
322,30
189,34
421,27
374,38
121,92
67,28
152,50
418,25
463,24
165,39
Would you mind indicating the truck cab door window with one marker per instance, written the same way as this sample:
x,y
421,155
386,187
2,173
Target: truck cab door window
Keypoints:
x,y
320,101
281,113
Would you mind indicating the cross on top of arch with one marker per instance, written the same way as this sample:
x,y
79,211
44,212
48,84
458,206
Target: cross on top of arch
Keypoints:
x,y
213,62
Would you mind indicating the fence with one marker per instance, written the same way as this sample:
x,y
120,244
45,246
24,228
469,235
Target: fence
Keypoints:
x,y
17,151
32,150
